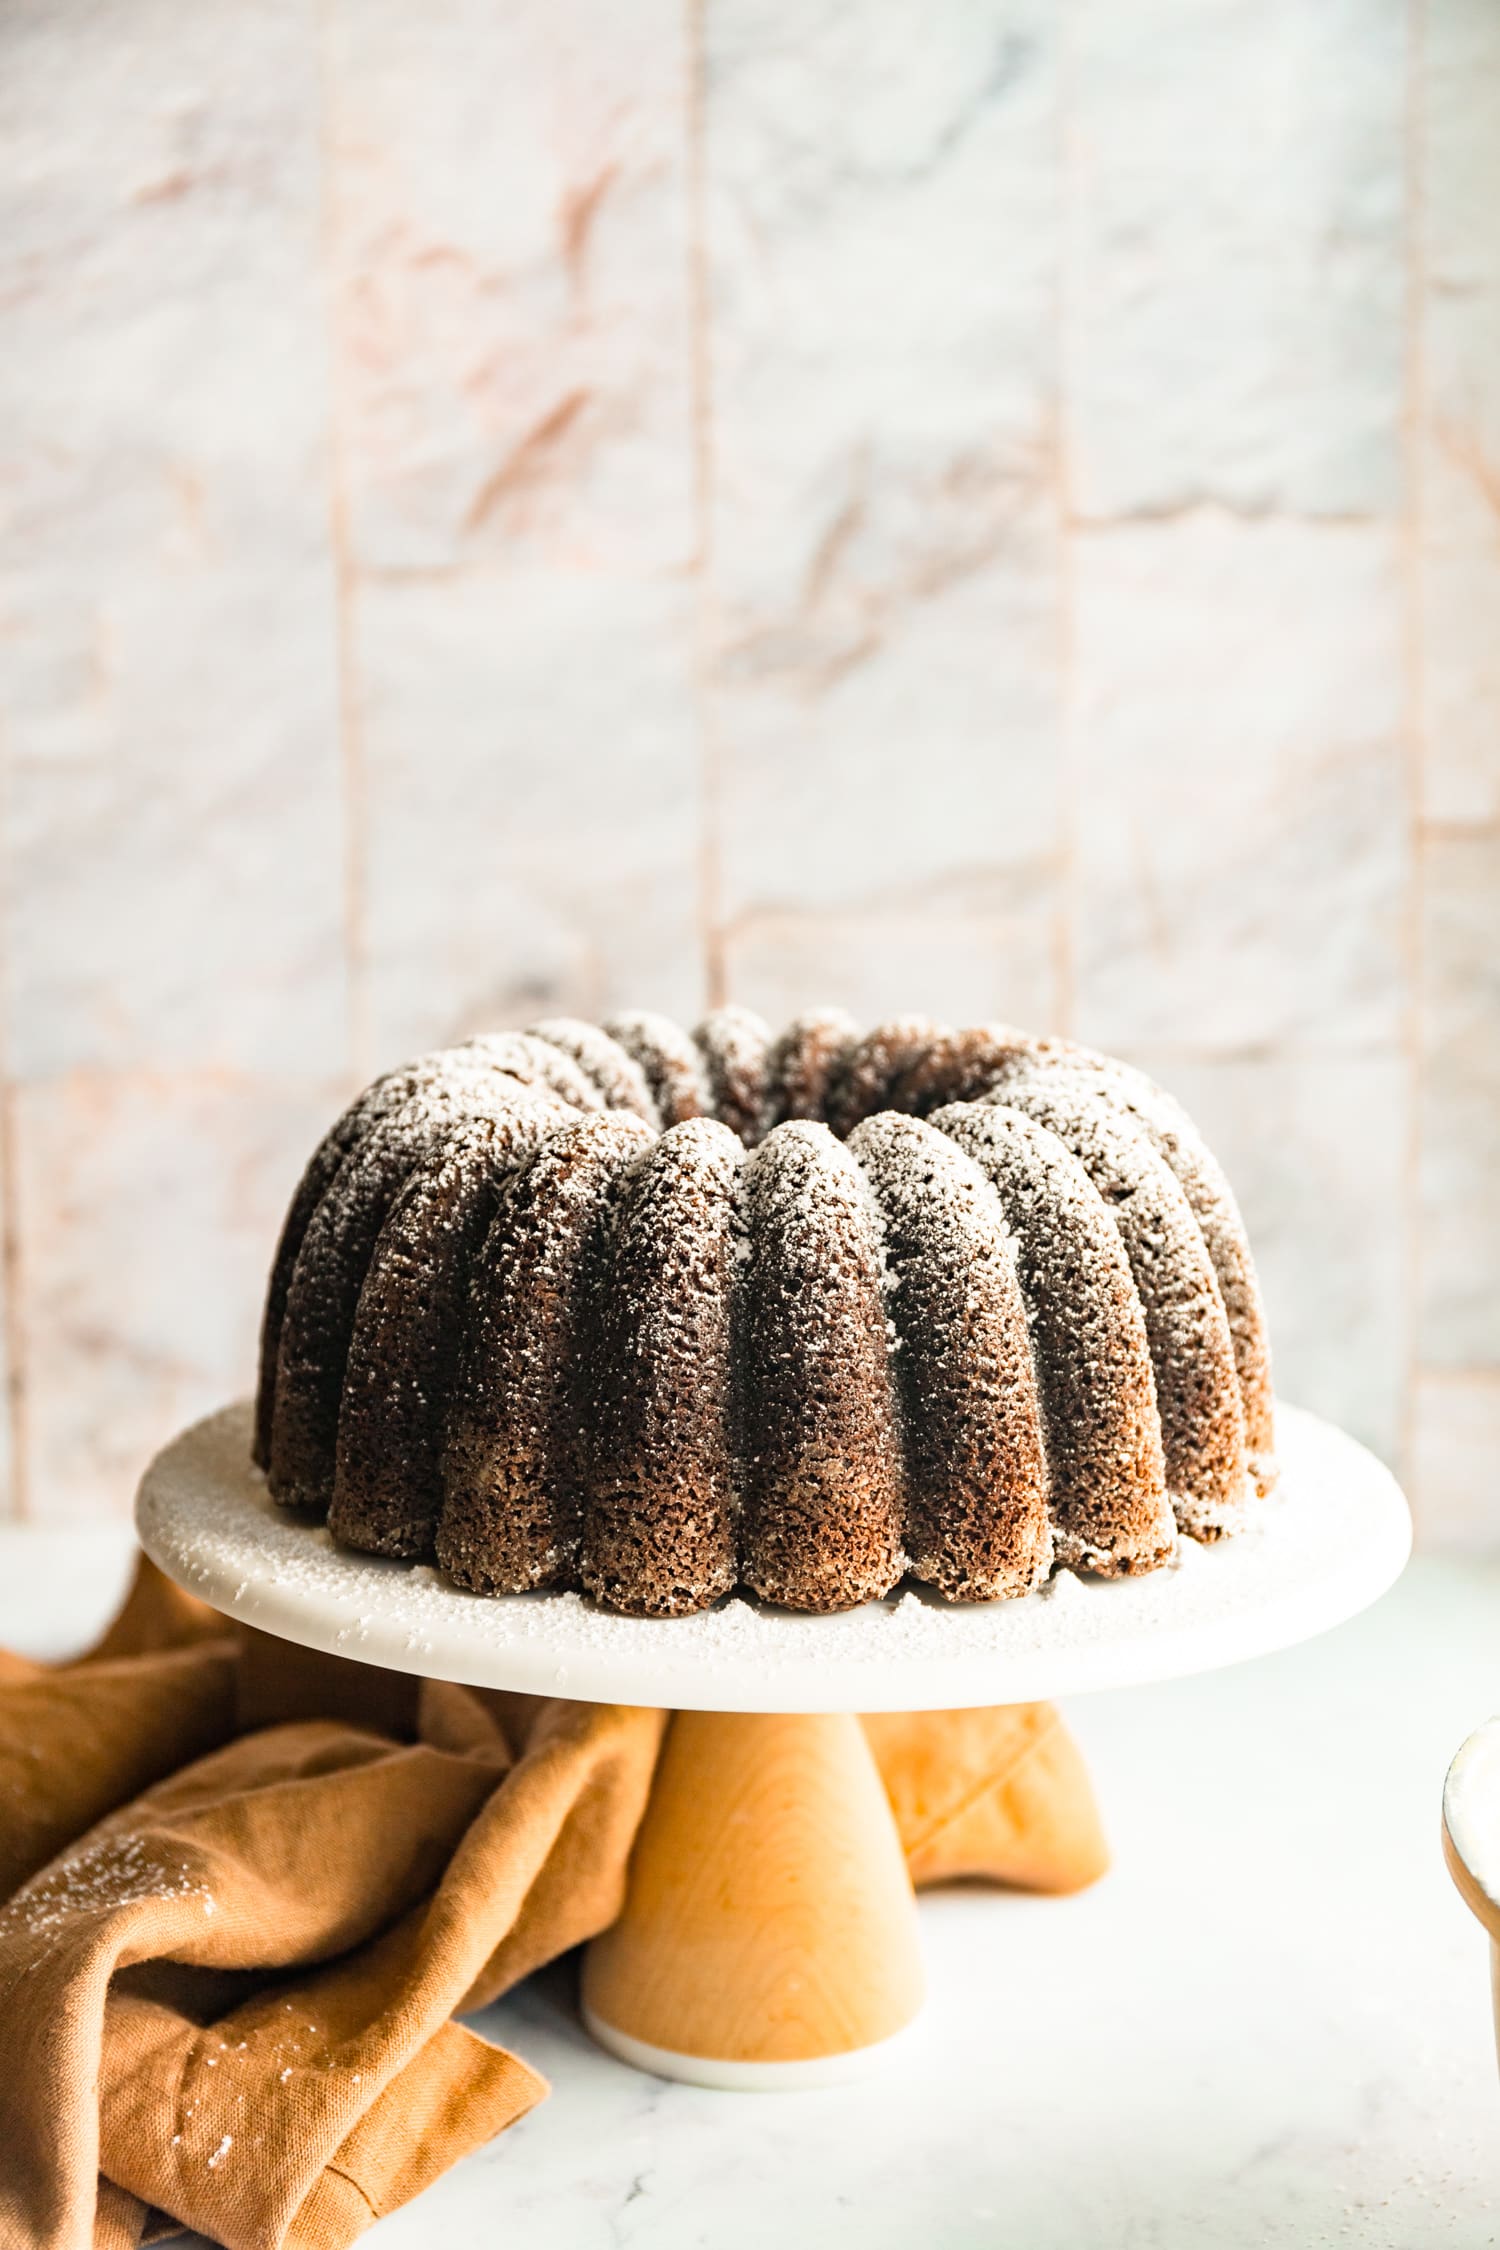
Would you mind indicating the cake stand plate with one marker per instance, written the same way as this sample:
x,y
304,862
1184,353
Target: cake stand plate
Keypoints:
x,y
1333,1537
768,1938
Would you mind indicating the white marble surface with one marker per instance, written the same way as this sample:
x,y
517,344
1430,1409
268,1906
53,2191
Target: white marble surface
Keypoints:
x,y
1269,2025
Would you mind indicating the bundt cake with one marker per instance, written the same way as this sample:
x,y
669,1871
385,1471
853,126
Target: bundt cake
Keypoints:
x,y
660,1316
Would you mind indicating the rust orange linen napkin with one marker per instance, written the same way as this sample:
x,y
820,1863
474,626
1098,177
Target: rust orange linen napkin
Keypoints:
x,y
247,1889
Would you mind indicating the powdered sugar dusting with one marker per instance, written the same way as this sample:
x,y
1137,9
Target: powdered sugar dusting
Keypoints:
x,y
99,1876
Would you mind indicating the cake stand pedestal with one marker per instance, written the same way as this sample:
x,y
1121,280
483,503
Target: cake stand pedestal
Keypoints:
x,y
769,1935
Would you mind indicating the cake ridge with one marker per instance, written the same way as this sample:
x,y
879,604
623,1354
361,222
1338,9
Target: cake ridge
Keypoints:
x,y
1107,1480
514,1474
403,1349
976,1514
1177,1140
1187,1329
825,1463
658,1525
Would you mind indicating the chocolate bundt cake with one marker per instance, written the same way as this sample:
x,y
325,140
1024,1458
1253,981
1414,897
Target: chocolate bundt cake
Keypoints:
x,y
660,1316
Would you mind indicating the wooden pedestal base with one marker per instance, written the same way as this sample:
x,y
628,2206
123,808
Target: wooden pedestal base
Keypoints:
x,y
769,1934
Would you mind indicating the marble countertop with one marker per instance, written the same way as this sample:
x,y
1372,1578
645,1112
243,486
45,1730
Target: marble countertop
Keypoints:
x,y
1269,2025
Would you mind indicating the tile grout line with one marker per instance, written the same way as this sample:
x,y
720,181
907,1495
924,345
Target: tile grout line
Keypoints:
x,y
1415,405
710,804
17,1394
1065,935
12,1272
1460,831
350,737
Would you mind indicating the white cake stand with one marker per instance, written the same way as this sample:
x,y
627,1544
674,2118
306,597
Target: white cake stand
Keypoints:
x,y
769,1937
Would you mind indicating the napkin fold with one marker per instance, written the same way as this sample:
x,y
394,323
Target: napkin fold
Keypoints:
x,y
247,1889
1001,1794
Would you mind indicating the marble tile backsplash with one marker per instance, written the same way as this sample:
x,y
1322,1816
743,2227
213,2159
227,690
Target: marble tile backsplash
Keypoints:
x,y
991,508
